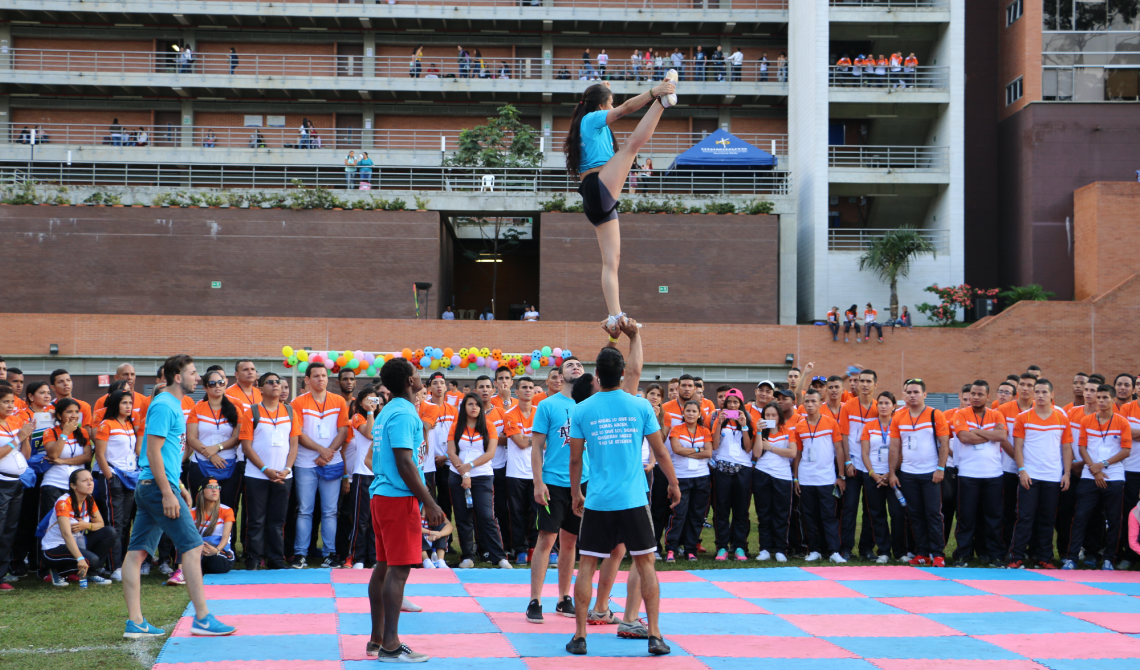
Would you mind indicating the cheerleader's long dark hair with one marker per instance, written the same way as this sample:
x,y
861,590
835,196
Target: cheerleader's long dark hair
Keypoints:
x,y
592,100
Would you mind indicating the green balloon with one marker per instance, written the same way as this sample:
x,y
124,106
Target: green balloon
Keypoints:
x,y
472,367
353,363
371,371
546,351
292,359
302,366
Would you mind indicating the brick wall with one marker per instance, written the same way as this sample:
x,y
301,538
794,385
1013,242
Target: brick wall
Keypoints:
x,y
719,268
1106,214
1020,45
270,262
1054,335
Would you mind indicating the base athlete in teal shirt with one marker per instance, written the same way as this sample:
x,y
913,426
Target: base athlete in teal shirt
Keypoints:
x,y
609,426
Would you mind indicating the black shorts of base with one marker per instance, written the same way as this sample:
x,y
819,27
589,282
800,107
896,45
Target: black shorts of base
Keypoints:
x,y
603,531
597,202
561,515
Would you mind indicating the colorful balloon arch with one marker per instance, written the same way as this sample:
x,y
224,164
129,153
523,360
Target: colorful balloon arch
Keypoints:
x,y
428,358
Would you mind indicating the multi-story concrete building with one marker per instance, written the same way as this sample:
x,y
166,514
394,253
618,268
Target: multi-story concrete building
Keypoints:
x,y
857,154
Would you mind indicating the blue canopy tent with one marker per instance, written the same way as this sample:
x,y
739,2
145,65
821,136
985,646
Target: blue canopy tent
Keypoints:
x,y
723,151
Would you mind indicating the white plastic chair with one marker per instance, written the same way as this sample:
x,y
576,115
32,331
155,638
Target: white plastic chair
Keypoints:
x,y
488,183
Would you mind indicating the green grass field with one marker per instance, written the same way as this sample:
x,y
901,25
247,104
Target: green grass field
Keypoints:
x,y
43,627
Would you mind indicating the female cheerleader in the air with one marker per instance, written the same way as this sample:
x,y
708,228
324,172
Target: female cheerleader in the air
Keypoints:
x,y
592,154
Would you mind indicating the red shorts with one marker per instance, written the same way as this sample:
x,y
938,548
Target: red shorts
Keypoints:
x,y
396,522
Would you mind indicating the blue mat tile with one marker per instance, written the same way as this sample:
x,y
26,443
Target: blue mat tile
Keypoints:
x,y
901,588
726,624
453,663
1123,588
1087,664
1092,603
757,575
607,644
824,606
519,605
1021,623
251,648
274,606
923,647
423,623
725,663
316,576
410,590
990,574
693,590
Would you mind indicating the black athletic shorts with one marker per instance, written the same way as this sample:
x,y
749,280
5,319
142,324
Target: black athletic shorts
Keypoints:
x,y
597,202
561,516
603,531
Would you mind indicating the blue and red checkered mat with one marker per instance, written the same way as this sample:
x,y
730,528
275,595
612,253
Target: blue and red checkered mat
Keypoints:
x,y
826,618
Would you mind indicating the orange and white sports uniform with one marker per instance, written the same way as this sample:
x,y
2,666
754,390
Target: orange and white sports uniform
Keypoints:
x,y
320,421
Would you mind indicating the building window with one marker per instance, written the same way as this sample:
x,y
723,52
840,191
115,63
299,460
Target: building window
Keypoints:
x,y
1013,12
1013,92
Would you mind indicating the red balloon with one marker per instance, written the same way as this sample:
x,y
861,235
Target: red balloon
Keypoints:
x,y
526,359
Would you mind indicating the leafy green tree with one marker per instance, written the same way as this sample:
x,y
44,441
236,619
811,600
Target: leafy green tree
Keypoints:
x,y
1016,294
890,256
503,142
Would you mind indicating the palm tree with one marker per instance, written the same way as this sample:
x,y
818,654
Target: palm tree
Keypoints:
x,y
889,258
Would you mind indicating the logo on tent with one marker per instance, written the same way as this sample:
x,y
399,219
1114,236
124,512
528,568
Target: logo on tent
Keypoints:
x,y
723,142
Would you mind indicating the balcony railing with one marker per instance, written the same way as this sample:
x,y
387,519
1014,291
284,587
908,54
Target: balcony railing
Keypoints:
x,y
840,239
888,79
892,4
770,5
382,177
307,66
390,139
905,159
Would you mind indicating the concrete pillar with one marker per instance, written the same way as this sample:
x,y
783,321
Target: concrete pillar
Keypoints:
x,y
369,111
5,47
548,129
724,118
369,54
547,56
5,120
187,123
789,279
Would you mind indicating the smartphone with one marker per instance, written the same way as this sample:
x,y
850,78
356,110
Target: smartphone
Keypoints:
x,y
770,424
731,414
836,492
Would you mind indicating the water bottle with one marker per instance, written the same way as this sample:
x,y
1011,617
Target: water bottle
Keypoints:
x,y
83,583
467,498
899,495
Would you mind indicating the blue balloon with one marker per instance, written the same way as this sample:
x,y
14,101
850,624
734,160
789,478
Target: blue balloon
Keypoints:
x,y
537,353
566,354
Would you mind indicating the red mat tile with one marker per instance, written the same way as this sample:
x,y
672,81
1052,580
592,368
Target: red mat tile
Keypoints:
x,y
414,577
957,604
1024,588
270,624
485,645
1095,575
871,572
705,606
952,664
813,589
267,591
511,590
1117,621
429,603
868,625
515,622
251,665
627,663
759,646
1068,645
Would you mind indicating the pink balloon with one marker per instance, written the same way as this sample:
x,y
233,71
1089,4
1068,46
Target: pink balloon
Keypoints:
x,y
556,352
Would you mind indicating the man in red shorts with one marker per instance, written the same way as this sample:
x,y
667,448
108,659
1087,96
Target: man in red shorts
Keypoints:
x,y
397,492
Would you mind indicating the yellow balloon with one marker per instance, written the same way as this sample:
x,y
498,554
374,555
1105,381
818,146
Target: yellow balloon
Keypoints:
x,y
484,352
463,352
302,355
286,351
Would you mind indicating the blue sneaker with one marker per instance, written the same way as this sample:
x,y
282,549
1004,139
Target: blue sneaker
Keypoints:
x,y
1107,565
553,559
135,631
210,626
1068,565
522,558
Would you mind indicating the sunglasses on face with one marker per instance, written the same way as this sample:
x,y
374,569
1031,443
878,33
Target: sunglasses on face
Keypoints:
x,y
213,488
271,382
215,384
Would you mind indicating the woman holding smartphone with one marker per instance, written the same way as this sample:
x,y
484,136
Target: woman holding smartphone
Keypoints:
x,y
772,484
470,450
692,448
876,444
68,449
732,437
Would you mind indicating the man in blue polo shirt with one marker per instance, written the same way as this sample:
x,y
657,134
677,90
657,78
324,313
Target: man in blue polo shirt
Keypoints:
x,y
162,505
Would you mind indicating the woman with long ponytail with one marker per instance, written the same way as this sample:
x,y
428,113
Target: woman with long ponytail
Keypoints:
x,y
593,155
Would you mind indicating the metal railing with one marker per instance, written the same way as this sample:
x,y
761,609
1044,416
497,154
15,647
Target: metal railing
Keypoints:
x,y
891,4
888,79
306,66
910,159
381,177
391,139
771,5
841,239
